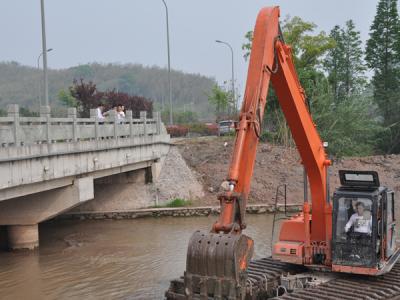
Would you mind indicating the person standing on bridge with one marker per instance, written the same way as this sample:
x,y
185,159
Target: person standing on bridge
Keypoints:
x,y
120,113
120,110
99,112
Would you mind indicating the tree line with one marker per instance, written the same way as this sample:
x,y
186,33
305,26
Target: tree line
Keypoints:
x,y
21,85
356,115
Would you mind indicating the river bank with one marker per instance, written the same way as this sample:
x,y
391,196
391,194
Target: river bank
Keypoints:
x,y
195,168
174,212
209,159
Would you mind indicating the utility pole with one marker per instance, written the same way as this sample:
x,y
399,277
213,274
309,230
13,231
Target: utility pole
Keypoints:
x,y
171,121
233,72
40,85
44,52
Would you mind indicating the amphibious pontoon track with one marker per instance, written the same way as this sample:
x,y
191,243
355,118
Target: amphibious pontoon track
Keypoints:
x,y
350,287
264,281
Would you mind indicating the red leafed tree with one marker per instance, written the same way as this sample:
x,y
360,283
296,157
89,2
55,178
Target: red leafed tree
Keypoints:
x,y
89,97
86,95
131,102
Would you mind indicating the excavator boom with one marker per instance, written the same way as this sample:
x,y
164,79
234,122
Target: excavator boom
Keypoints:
x,y
217,261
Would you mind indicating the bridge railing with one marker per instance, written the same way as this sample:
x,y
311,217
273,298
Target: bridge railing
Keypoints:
x,y
16,130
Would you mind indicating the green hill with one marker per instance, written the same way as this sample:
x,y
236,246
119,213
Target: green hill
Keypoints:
x,y
20,85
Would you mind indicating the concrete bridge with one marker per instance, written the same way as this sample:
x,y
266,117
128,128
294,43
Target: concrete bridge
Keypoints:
x,y
49,165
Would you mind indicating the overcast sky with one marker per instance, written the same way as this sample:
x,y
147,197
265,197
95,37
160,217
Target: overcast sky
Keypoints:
x,y
133,31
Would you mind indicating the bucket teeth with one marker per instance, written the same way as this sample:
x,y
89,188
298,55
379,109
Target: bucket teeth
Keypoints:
x,y
216,265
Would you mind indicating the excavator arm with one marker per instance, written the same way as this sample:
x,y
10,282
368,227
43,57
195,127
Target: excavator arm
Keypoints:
x,y
217,261
262,60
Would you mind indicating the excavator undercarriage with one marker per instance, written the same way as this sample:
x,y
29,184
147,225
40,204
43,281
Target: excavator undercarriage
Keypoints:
x,y
269,279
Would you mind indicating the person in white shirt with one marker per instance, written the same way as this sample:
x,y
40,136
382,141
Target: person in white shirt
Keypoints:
x,y
99,111
120,112
361,220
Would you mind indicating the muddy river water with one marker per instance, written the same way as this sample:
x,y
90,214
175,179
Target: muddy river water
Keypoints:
x,y
108,259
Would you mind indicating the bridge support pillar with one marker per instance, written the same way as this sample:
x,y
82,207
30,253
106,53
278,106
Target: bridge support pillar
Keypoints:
x,y
156,168
22,215
23,237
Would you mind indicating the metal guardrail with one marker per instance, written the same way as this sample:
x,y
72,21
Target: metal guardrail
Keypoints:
x,y
19,131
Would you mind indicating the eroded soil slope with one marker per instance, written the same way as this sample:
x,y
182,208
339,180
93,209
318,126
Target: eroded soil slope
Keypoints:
x,y
209,158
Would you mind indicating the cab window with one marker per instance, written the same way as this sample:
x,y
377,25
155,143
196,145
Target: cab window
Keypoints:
x,y
354,216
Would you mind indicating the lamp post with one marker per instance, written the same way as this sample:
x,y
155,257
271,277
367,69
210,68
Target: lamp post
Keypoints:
x,y
44,52
171,121
38,66
233,71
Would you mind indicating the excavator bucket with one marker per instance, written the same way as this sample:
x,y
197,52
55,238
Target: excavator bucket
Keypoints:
x,y
216,265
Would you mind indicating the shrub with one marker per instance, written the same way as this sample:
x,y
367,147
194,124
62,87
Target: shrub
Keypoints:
x,y
178,203
204,128
177,130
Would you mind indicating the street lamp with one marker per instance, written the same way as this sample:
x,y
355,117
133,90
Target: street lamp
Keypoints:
x,y
171,121
38,66
233,73
44,52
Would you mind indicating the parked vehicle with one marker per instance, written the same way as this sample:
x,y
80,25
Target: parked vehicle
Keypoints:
x,y
226,127
212,128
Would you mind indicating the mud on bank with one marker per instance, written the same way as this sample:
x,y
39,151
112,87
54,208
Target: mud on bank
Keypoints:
x,y
209,158
204,211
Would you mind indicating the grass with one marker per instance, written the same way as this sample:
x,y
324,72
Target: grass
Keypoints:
x,y
175,203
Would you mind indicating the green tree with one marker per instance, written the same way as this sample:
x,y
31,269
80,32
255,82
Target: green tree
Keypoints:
x,y
308,48
180,117
67,99
246,46
334,60
219,98
383,57
349,126
354,68
344,63
25,112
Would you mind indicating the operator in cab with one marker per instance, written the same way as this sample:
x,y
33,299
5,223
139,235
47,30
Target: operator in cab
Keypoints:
x,y
361,220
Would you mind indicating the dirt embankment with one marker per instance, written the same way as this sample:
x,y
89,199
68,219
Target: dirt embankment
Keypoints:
x,y
209,158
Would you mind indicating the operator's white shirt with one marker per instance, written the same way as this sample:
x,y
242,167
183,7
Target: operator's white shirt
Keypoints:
x,y
361,224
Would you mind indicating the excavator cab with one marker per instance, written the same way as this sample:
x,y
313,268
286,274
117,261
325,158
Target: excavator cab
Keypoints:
x,y
363,229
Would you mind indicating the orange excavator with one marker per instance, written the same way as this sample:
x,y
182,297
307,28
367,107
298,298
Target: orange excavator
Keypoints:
x,y
351,232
